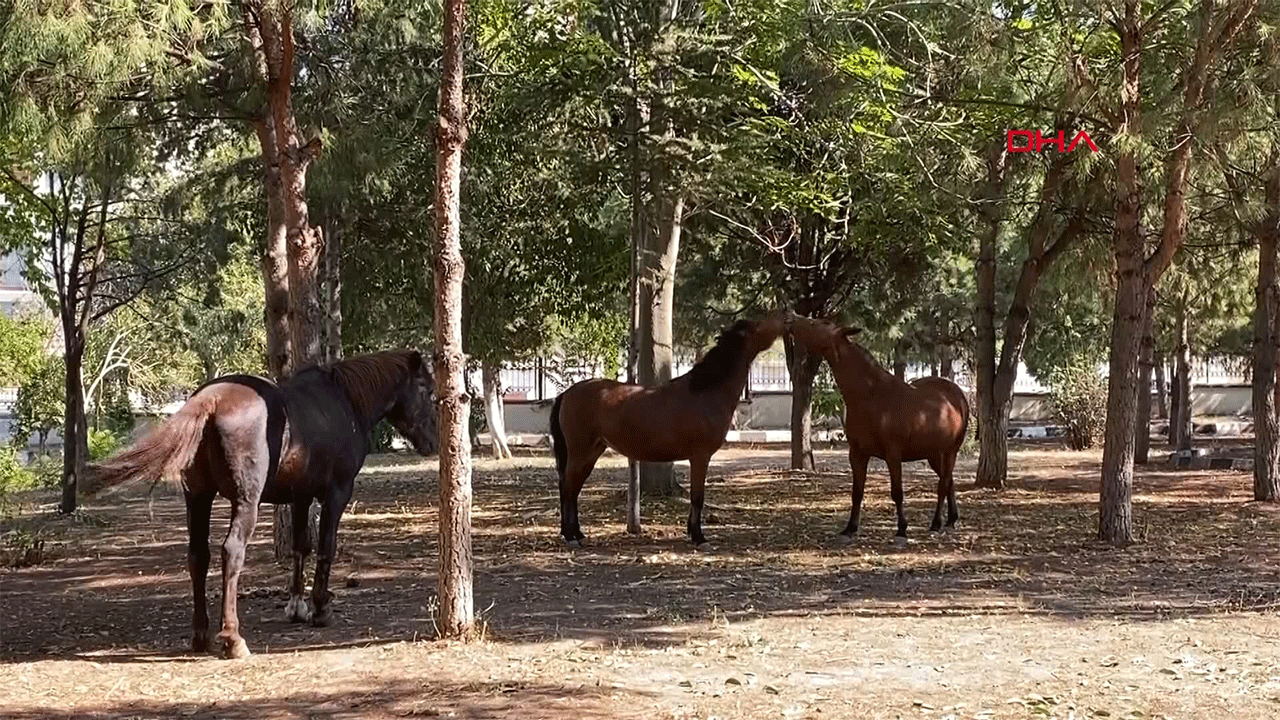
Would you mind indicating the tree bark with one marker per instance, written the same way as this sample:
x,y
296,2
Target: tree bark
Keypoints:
x,y
1174,402
666,222
1266,447
275,256
1115,513
1142,436
333,290
637,118
270,30
490,374
946,361
992,415
656,304
75,433
1185,411
1162,397
803,367
457,612
899,360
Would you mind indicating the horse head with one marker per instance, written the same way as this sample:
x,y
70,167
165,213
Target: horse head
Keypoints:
x,y
819,334
764,332
413,412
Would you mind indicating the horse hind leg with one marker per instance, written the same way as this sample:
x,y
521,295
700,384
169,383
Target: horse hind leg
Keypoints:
x,y
297,611
244,515
199,507
895,489
939,466
577,470
949,476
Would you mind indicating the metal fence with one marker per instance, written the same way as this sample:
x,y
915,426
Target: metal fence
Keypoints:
x,y
545,378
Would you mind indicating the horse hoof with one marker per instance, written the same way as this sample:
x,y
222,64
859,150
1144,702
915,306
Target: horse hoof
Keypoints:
x,y
899,540
200,642
935,528
846,538
322,618
236,649
297,611
704,546
946,529
573,543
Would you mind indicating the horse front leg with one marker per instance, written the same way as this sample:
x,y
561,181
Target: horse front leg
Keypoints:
x,y
697,490
858,463
199,508
330,513
244,515
895,488
297,610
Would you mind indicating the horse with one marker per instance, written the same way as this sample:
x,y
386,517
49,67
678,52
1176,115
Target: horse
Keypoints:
x,y
686,418
887,418
254,441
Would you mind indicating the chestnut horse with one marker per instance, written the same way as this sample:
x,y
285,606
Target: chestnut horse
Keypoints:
x,y
253,441
887,418
684,419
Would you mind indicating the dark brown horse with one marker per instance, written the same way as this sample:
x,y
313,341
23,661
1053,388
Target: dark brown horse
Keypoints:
x,y
887,418
253,441
684,419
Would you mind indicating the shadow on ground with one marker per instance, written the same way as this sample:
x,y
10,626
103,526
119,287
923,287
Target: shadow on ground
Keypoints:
x,y
114,589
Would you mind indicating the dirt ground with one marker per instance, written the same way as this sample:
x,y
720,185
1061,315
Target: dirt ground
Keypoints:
x,y
1016,614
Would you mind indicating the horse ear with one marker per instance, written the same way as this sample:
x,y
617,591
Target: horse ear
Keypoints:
x,y
415,361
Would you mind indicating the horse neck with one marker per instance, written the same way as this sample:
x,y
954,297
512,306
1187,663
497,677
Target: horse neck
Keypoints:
x,y
729,390
856,375
379,400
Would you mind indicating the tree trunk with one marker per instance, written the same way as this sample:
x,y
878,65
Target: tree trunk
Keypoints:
x,y
993,416
1162,397
656,301
457,611
333,290
275,257
899,360
666,222
75,433
946,361
1186,433
637,118
1142,436
1266,447
490,373
1115,511
803,367
1174,407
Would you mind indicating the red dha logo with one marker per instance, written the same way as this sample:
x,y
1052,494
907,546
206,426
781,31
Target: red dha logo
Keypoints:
x,y
1035,142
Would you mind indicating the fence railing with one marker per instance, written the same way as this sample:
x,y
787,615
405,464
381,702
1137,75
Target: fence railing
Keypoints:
x,y
544,379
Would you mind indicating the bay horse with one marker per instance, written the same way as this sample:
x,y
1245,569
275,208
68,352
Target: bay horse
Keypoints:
x,y
253,441
887,418
686,418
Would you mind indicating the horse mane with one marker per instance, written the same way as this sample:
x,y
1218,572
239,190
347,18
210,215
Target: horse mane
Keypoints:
x,y
867,357
365,378
720,360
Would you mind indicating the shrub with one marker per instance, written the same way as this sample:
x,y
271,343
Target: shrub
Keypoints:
x,y
1078,399
102,443
13,476
380,437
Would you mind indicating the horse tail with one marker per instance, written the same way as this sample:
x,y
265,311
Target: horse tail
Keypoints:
x,y
968,413
163,453
557,437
